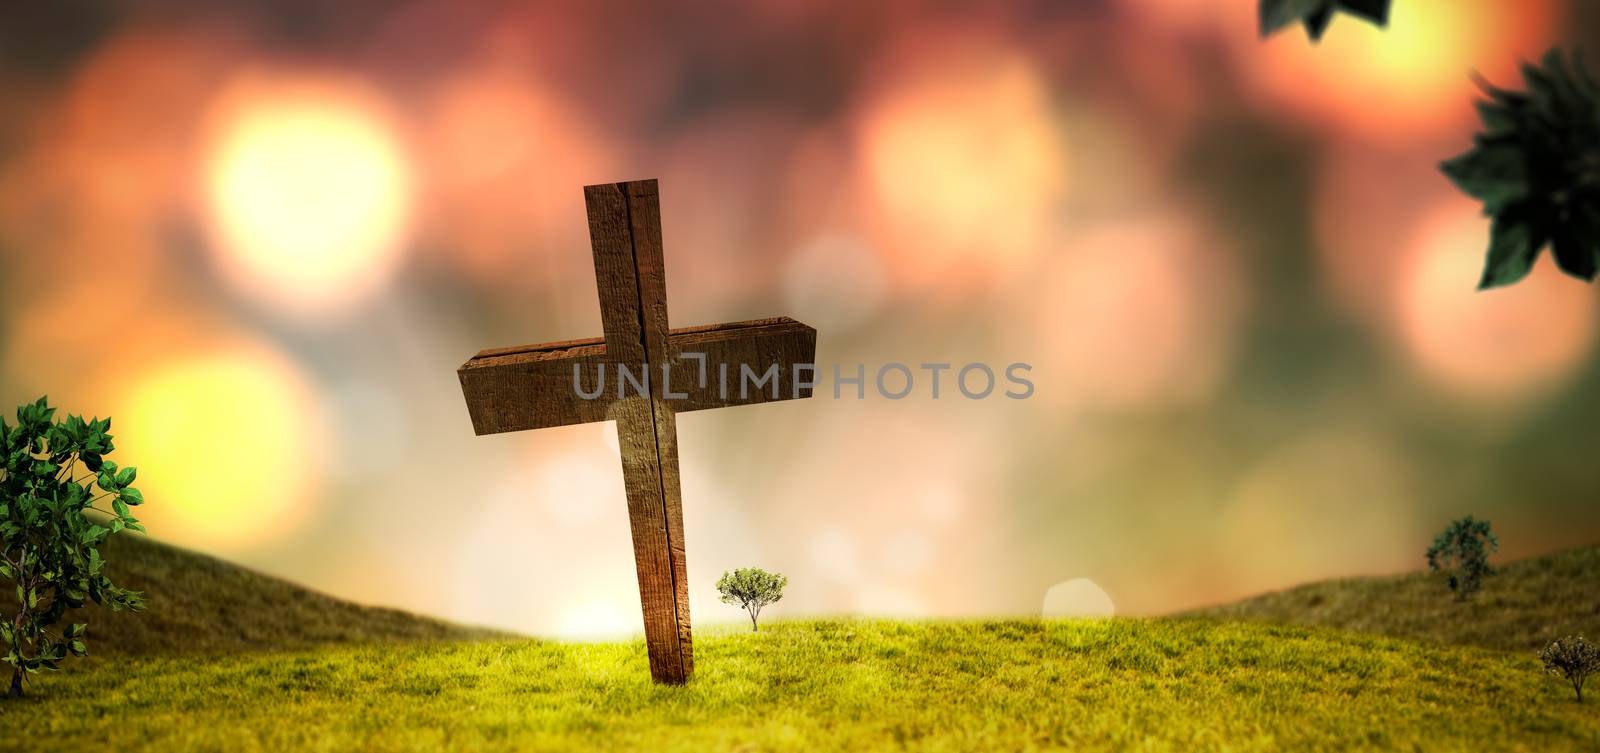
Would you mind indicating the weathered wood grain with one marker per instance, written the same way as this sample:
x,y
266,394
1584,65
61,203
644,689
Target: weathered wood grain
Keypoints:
x,y
756,346
532,386
633,306
533,389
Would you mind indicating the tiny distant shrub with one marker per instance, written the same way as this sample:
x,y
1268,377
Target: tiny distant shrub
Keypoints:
x,y
48,555
1573,658
1462,551
751,588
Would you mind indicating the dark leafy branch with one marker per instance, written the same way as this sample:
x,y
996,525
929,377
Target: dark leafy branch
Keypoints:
x,y
1315,15
1536,168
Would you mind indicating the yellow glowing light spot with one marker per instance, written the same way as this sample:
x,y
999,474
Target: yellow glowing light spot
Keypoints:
x,y
1412,77
307,188
964,160
1498,344
225,444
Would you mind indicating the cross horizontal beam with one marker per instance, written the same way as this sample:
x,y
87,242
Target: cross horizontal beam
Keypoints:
x,y
531,386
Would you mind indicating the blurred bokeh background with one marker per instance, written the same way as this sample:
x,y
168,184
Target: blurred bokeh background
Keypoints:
x,y
262,235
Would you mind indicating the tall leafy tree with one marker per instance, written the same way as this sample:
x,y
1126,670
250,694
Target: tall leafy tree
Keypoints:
x,y
1536,168
59,499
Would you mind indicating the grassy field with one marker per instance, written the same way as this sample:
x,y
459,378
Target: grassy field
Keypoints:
x,y
350,678
1179,685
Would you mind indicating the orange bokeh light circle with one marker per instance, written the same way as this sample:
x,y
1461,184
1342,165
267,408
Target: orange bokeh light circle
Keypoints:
x,y
1501,344
961,157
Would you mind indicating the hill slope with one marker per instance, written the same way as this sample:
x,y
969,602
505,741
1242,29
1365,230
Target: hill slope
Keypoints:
x,y
199,603
1191,685
1530,603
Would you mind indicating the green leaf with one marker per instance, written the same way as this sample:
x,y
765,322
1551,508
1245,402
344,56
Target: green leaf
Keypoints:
x,y
1535,169
1315,15
132,496
1512,251
93,534
92,462
126,476
120,507
1494,174
1574,254
1276,14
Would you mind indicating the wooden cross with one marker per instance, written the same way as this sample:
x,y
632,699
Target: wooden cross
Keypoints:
x,y
537,386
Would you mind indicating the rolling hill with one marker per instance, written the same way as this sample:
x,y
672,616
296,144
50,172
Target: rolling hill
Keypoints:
x,y
1528,604
200,603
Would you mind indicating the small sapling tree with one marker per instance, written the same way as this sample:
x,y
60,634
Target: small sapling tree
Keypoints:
x,y
1574,658
1462,551
48,555
751,588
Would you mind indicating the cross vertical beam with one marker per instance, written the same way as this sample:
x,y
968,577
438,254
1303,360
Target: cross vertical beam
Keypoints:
x,y
625,231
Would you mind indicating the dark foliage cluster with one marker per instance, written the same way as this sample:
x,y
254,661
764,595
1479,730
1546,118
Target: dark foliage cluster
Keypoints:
x,y
1462,551
1536,168
1315,15
48,542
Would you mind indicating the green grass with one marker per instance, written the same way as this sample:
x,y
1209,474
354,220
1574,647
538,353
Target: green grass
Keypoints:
x,y
1178,685
227,659
1530,603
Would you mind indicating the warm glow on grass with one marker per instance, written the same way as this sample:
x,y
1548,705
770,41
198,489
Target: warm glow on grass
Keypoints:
x,y
600,620
308,190
225,443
